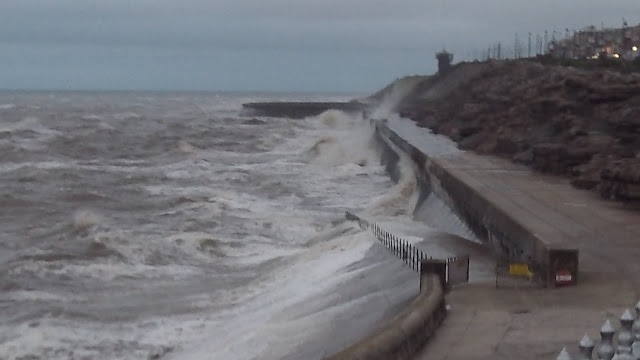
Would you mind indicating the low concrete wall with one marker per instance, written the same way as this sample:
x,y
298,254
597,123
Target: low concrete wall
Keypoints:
x,y
299,110
488,221
408,332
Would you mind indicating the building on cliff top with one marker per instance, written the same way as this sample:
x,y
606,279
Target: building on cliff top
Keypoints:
x,y
444,61
622,43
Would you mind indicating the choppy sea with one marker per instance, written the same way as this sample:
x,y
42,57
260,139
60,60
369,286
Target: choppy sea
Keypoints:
x,y
171,226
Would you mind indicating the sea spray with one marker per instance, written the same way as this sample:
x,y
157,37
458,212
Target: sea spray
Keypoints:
x,y
394,95
228,253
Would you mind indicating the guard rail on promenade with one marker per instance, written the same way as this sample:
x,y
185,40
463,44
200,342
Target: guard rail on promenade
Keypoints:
x,y
402,337
455,270
623,344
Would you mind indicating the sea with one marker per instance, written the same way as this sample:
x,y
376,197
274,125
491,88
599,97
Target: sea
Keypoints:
x,y
157,225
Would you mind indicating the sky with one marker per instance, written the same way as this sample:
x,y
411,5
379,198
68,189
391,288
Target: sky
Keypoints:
x,y
264,45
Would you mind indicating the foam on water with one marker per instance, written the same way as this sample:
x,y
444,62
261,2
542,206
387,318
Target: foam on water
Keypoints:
x,y
251,335
187,232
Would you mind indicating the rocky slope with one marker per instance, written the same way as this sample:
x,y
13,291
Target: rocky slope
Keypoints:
x,y
584,124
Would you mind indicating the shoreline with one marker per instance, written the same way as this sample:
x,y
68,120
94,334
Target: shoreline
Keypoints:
x,y
531,323
563,155
582,124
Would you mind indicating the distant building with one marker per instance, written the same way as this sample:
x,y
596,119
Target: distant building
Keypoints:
x,y
623,43
444,61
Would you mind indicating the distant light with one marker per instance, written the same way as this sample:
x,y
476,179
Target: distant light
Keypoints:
x,y
634,48
616,56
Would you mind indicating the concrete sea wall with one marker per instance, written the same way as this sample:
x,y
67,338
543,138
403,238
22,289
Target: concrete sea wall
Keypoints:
x,y
298,110
510,233
486,217
402,337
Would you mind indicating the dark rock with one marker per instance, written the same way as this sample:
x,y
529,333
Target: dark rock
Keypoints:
x,y
506,145
620,180
473,141
524,157
577,130
586,183
469,130
560,120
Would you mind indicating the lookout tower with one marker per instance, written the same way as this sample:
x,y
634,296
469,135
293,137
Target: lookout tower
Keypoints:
x,y
444,61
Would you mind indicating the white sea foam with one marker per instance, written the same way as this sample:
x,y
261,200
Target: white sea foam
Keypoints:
x,y
103,271
84,219
59,338
126,115
93,117
187,148
30,123
7,106
220,213
34,295
402,197
308,273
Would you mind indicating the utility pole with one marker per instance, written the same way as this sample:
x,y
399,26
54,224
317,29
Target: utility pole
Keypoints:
x,y
538,44
529,47
546,41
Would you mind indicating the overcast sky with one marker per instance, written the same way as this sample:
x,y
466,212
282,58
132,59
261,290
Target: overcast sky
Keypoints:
x,y
281,45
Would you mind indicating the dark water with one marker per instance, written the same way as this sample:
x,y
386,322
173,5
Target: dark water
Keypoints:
x,y
156,225
142,224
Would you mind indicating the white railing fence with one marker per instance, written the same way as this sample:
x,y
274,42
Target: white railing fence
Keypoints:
x,y
620,344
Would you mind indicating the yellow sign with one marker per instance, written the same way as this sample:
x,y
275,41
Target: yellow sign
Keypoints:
x,y
519,269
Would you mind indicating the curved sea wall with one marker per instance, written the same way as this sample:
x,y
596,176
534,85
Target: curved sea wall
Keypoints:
x,y
489,218
487,212
402,337
298,110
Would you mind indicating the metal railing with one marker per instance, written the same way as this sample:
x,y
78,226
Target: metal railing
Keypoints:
x,y
401,248
410,254
621,344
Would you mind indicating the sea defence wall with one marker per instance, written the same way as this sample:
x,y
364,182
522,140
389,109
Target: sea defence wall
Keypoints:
x,y
492,219
297,110
403,336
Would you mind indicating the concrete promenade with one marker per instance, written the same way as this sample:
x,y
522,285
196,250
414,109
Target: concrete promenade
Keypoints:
x,y
489,323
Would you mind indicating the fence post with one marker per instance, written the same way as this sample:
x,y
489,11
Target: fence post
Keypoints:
x,y
404,251
625,337
605,352
410,257
564,355
586,348
468,266
635,329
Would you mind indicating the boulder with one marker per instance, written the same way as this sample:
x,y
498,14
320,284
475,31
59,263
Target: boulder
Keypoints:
x,y
620,180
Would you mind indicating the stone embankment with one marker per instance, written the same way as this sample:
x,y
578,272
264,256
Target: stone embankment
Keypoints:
x,y
582,124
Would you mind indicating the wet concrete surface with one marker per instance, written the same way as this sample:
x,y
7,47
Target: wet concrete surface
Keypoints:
x,y
380,288
527,322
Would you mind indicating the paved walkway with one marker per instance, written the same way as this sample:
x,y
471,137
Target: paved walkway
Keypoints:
x,y
489,323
